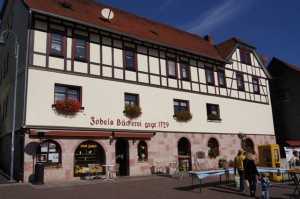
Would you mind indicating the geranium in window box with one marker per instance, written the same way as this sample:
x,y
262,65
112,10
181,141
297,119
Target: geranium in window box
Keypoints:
x,y
132,111
68,105
213,117
183,116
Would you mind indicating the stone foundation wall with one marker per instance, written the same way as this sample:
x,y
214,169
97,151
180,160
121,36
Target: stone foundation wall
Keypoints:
x,y
162,148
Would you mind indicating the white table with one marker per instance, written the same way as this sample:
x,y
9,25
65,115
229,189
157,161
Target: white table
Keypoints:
x,y
108,171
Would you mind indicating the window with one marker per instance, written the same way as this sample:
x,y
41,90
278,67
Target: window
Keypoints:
x,y
185,71
285,94
245,57
56,44
209,73
240,81
180,105
88,154
213,112
171,68
131,99
255,83
80,48
213,146
63,92
130,59
49,153
221,78
142,150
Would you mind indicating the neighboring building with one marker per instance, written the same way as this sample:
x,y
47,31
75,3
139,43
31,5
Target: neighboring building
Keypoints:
x,y
68,50
285,95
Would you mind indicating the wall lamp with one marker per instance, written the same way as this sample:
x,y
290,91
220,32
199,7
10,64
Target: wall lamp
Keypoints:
x,y
2,42
133,141
111,140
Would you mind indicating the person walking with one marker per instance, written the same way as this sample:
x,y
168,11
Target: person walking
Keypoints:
x,y
265,187
251,172
239,167
294,161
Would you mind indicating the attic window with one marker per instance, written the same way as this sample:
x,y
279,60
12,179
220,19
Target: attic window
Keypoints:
x,y
65,5
154,32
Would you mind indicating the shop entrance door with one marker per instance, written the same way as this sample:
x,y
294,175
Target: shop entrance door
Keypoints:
x,y
184,149
122,156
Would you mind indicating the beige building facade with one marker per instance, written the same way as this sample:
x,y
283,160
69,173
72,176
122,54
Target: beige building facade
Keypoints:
x,y
224,88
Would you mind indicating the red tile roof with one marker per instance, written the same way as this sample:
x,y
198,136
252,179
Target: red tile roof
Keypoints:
x,y
226,48
89,12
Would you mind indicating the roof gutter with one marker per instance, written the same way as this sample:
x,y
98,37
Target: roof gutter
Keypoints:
x,y
128,35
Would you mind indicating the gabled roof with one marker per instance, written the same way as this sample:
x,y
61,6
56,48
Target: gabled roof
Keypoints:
x,y
282,63
226,48
88,12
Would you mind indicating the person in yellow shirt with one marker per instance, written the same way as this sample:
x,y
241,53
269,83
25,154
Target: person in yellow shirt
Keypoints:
x,y
239,167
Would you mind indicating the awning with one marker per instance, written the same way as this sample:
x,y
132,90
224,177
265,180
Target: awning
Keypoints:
x,y
133,135
293,143
63,133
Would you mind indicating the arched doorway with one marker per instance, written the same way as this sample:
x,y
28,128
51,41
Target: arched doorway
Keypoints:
x,y
88,152
249,145
122,156
184,149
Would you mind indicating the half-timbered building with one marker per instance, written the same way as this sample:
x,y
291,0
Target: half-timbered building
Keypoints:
x,y
101,85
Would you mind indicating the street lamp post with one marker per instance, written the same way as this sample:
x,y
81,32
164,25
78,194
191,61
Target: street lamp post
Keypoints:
x,y
15,98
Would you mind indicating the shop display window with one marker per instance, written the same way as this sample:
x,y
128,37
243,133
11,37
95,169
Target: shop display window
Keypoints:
x,y
142,151
49,153
87,153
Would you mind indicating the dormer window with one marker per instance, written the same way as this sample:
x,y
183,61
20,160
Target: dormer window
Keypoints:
x,y
245,57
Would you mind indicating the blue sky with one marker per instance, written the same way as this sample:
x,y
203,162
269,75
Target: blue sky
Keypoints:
x,y
273,26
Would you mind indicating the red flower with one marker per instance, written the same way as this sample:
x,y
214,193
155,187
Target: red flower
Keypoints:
x,y
68,105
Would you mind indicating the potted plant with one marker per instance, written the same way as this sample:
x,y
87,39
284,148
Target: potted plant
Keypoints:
x,y
213,117
222,163
132,111
68,105
183,116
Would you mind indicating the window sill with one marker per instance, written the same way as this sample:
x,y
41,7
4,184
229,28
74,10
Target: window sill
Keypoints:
x,y
80,59
56,55
130,69
214,120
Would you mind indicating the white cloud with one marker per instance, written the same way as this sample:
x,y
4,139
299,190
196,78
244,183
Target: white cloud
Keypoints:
x,y
215,16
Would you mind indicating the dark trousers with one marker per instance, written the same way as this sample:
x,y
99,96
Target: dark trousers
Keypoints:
x,y
242,179
252,182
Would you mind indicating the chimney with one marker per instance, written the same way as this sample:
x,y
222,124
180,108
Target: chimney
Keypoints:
x,y
210,39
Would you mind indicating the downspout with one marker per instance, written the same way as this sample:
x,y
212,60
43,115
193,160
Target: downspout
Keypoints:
x,y
26,69
24,130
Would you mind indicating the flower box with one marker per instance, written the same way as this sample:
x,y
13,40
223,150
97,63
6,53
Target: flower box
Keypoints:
x,y
132,111
213,117
183,116
68,105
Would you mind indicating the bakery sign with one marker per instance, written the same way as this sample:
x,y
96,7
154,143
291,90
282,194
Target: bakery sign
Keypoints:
x,y
127,123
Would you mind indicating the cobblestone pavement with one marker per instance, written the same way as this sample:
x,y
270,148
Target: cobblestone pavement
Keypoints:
x,y
144,187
